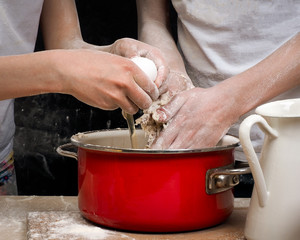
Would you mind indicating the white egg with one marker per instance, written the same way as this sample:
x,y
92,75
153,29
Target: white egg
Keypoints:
x,y
147,66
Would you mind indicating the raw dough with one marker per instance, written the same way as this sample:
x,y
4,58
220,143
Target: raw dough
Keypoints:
x,y
149,120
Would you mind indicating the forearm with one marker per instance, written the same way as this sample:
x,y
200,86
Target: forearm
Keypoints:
x,y
60,25
272,76
25,75
61,28
154,29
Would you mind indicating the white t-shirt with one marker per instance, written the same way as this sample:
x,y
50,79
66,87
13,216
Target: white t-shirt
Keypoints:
x,y
19,21
219,39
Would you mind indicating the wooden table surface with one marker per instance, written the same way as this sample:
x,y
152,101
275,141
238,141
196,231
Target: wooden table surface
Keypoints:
x,y
42,217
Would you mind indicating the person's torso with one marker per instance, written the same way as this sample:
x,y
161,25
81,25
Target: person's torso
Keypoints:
x,y
223,38
219,39
19,21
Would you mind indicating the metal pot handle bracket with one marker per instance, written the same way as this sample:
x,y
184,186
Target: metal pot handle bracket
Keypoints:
x,y
224,178
61,151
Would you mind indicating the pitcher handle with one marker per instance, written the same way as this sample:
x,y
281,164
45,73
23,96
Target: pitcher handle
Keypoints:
x,y
244,135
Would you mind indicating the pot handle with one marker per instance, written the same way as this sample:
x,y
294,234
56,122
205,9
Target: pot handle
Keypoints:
x,y
224,178
244,135
60,150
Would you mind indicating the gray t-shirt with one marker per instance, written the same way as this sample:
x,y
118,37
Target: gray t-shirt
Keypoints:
x,y
219,39
19,21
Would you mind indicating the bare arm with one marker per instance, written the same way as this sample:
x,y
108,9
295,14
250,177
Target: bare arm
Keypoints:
x,y
272,76
154,29
60,25
207,114
61,29
200,117
95,75
31,74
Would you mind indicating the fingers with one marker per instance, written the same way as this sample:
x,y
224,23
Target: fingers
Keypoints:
x,y
166,137
186,140
164,87
161,65
129,107
130,48
128,87
110,100
180,135
144,83
162,74
196,138
138,98
176,82
168,111
132,93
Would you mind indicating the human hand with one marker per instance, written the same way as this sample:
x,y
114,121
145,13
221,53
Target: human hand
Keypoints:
x,y
104,80
176,82
197,118
130,48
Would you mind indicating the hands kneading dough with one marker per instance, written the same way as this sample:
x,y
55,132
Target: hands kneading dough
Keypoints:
x,y
152,121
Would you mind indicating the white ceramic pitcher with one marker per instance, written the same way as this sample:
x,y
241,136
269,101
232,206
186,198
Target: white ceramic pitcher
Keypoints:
x,y
274,212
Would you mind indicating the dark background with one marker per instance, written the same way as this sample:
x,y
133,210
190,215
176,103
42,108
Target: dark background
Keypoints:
x,y
46,121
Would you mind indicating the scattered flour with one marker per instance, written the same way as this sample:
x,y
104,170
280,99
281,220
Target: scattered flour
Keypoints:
x,y
66,225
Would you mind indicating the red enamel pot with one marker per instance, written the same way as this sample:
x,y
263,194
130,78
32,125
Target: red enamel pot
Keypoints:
x,y
152,190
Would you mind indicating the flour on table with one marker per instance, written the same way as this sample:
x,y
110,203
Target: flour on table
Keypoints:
x,y
66,225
